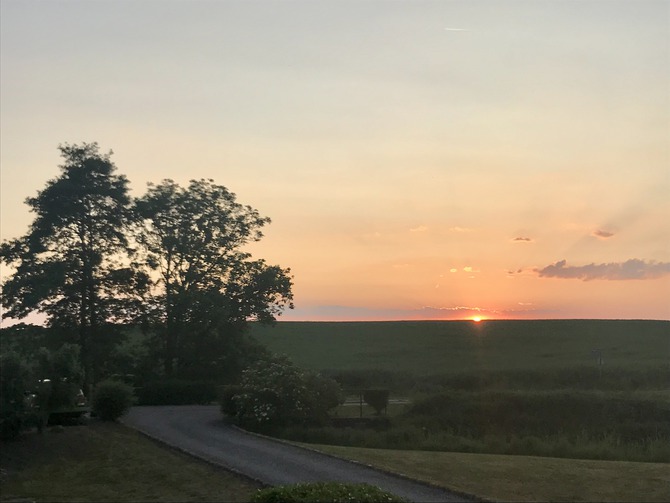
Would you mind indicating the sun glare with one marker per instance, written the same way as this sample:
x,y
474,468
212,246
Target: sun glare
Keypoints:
x,y
476,319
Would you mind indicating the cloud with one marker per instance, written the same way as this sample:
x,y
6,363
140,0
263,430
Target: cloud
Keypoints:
x,y
615,271
420,228
512,272
359,313
470,269
603,234
523,239
460,229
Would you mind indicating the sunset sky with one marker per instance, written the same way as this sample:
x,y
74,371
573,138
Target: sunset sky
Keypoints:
x,y
419,160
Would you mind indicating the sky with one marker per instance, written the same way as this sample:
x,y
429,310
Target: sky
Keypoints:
x,y
419,160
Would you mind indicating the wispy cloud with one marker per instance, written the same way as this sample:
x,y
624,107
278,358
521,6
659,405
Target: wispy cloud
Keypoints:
x,y
522,239
357,313
460,229
513,273
603,234
420,228
458,308
615,271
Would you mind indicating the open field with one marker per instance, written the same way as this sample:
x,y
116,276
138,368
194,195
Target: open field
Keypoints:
x,y
521,478
438,347
110,462
506,387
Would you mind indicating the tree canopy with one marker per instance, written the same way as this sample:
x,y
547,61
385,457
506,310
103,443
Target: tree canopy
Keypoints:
x,y
70,263
207,286
172,259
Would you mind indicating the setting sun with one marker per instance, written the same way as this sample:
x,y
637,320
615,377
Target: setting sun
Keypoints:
x,y
477,319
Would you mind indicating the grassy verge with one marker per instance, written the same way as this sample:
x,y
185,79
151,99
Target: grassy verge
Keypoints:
x,y
109,462
521,478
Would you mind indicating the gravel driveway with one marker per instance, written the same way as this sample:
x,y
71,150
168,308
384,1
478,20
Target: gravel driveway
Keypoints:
x,y
201,431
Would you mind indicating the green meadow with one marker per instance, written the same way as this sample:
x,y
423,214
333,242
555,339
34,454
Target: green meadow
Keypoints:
x,y
588,389
439,347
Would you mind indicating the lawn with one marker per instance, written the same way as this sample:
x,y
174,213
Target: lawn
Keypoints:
x,y
110,462
521,478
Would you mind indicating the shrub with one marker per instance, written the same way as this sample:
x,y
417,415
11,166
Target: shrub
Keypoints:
x,y
112,399
542,414
228,399
13,372
323,492
275,392
378,399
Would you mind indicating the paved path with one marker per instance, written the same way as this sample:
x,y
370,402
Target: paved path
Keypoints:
x,y
201,431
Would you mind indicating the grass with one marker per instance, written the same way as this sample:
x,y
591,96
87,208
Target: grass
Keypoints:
x,y
520,478
110,462
439,347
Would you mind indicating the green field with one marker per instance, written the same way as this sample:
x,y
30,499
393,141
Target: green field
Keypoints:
x,y
588,389
439,347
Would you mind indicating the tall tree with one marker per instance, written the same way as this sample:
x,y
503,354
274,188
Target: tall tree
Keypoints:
x,y
70,263
207,287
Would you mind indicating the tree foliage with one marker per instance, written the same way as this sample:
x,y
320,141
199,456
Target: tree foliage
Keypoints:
x,y
378,399
173,260
207,287
68,265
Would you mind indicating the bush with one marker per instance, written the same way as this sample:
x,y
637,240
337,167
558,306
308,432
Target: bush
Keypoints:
x,y
112,399
323,492
228,399
178,392
13,376
275,392
378,399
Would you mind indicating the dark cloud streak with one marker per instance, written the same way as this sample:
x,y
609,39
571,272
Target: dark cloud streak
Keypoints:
x,y
603,234
614,271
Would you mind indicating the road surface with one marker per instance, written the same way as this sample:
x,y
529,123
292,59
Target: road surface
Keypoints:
x,y
201,431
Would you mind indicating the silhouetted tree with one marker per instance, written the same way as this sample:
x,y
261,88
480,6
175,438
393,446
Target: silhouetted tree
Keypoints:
x,y
70,263
207,288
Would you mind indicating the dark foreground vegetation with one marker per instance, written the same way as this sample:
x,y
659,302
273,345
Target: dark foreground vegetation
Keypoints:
x,y
96,261
326,492
568,424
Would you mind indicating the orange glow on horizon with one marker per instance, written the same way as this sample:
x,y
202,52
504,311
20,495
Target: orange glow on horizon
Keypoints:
x,y
476,319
